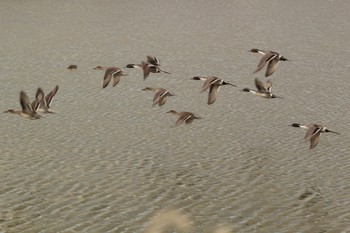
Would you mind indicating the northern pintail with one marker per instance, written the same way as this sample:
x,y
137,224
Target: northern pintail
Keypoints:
x,y
100,68
112,72
28,109
160,96
186,117
313,132
152,65
72,67
263,89
147,68
45,104
214,84
270,57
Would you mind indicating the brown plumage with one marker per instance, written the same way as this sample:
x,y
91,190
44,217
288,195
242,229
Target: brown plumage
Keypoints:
x,y
263,89
28,110
269,57
72,67
313,133
152,65
160,96
114,73
184,117
214,84
45,104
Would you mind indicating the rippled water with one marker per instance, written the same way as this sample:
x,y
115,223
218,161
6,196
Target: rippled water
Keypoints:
x,y
109,161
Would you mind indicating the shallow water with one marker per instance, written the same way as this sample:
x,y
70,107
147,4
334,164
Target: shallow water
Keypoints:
x,y
108,161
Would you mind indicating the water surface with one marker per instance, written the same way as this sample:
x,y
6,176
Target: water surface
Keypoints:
x,y
108,161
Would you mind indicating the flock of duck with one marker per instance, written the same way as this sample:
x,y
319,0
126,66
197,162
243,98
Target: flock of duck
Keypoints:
x,y
270,59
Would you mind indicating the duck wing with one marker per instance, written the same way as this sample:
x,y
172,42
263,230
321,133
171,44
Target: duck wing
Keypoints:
x,y
265,59
312,131
271,67
50,96
116,80
39,100
213,92
268,85
162,100
262,86
315,139
24,101
146,69
208,82
153,60
108,76
160,94
184,116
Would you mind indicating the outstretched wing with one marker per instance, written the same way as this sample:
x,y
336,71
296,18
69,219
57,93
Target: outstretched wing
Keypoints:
x,y
116,80
315,139
146,70
183,117
268,85
265,59
153,60
208,82
271,67
107,77
262,86
162,100
160,94
24,101
39,99
50,96
213,92
311,131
